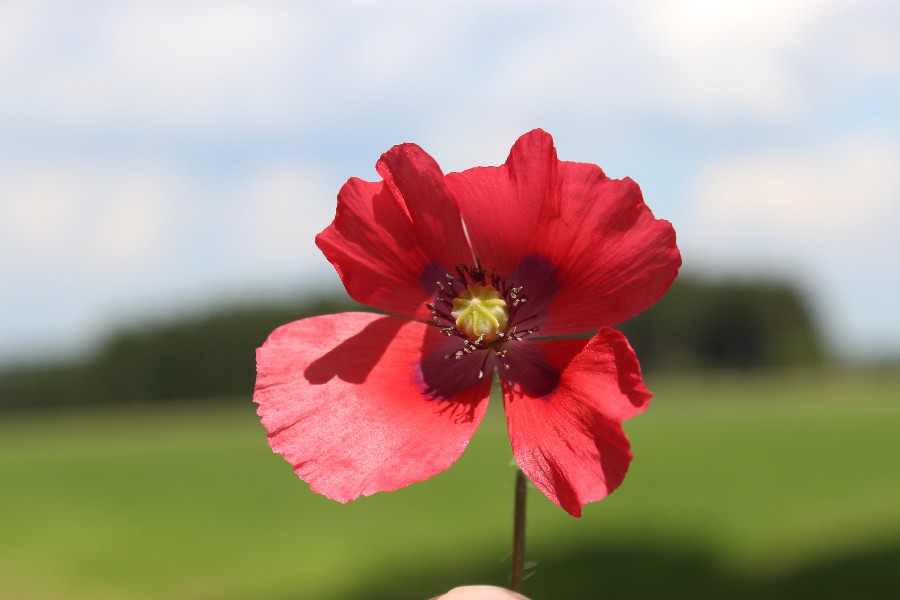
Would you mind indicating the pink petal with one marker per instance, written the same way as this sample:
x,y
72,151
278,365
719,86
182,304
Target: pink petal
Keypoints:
x,y
350,402
586,249
391,241
565,403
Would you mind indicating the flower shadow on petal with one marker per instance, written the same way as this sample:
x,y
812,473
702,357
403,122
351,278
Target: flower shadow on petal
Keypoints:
x,y
445,379
353,359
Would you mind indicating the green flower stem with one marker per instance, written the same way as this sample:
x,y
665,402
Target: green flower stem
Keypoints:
x,y
517,575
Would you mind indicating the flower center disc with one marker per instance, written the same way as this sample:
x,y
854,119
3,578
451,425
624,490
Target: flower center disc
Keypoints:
x,y
481,313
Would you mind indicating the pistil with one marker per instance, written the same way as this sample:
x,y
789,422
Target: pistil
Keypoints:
x,y
480,313
482,310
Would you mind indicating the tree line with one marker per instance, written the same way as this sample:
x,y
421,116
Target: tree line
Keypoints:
x,y
698,324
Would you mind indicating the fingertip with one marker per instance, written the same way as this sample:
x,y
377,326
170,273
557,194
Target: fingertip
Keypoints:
x,y
480,592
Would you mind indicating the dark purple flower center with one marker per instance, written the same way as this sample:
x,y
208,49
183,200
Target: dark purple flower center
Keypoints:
x,y
483,310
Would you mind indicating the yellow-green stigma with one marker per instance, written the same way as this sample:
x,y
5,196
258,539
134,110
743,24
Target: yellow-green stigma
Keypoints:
x,y
481,313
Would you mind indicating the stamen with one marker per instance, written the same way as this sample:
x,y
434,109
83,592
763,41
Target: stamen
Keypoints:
x,y
481,309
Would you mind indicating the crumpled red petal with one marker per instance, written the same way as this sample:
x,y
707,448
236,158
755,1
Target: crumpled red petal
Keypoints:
x,y
354,403
584,246
565,403
391,241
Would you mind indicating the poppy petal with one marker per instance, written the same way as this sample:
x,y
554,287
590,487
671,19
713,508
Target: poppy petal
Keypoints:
x,y
391,241
417,181
565,403
582,244
352,404
506,208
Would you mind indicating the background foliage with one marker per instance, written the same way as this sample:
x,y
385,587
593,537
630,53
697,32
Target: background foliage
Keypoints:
x,y
726,324
697,325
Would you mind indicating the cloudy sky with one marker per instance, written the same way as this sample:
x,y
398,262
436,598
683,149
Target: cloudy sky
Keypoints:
x,y
160,157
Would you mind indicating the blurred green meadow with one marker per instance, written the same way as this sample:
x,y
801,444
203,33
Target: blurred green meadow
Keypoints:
x,y
744,485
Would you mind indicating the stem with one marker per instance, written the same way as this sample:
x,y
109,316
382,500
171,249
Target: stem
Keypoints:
x,y
517,575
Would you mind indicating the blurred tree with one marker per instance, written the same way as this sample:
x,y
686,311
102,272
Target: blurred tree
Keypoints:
x,y
744,324
202,357
696,325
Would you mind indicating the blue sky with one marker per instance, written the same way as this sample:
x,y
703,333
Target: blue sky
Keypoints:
x,y
156,158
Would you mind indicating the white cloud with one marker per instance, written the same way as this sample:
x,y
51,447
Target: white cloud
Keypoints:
x,y
14,29
811,204
703,62
283,207
181,65
198,66
76,238
97,219
387,45
739,59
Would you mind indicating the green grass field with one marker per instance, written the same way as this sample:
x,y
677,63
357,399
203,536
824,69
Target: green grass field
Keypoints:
x,y
742,487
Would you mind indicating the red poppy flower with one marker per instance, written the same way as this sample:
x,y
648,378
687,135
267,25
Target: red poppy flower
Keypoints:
x,y
475,268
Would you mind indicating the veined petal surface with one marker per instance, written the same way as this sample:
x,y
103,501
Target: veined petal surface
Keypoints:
x,y
392,240
352,402
565,402
585,246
